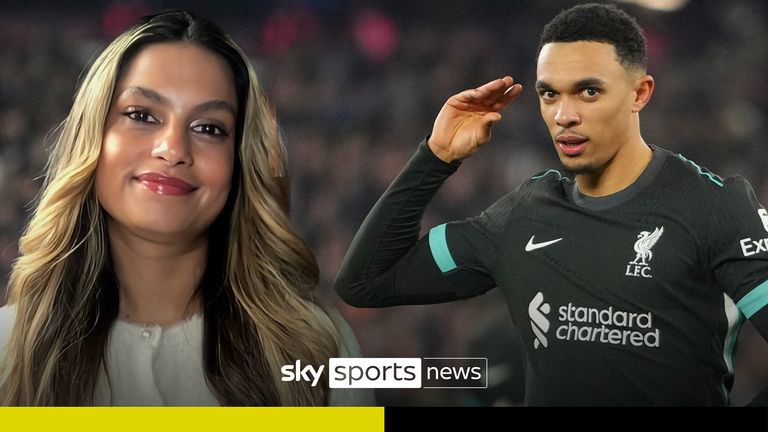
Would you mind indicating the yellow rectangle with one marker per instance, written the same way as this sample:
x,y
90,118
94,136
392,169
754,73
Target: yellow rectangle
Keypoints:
x,y
186,419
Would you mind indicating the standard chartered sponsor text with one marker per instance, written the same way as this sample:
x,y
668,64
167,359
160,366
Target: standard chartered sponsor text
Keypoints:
x,y
609,326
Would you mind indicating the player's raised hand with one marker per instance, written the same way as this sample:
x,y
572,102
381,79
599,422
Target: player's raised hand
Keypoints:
x,y
464,123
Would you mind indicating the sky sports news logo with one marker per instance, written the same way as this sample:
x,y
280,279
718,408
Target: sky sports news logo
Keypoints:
x,y
436,373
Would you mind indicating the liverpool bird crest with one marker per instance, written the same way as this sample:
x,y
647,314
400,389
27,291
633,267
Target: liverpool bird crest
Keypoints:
x,y
639,267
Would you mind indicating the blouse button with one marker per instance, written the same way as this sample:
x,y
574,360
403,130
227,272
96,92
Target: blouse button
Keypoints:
x,y
146,334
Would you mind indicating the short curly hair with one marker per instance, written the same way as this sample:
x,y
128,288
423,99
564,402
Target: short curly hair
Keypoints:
x,y
600,23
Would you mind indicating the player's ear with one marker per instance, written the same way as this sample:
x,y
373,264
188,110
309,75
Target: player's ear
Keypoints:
x,y
643,91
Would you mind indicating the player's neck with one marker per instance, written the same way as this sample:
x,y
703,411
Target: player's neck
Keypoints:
x,y
618,174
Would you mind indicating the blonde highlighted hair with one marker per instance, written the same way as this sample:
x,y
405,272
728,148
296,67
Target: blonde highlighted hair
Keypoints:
x,y
257,287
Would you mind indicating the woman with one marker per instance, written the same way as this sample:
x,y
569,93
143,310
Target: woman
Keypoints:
x,y
160,265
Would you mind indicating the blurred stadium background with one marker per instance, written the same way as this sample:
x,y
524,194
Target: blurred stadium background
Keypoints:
x,y
356,85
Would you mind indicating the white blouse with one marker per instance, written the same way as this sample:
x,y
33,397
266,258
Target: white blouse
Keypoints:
x,y
154,365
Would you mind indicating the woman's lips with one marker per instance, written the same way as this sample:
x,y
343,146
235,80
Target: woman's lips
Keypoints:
x,y
165,185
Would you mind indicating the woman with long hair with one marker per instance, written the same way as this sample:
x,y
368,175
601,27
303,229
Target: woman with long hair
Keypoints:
x,y
160,265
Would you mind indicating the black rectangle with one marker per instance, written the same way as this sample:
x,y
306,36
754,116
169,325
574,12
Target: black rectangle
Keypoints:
x,y
480,418
454,372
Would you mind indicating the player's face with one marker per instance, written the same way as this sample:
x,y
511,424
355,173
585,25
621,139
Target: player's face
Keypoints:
x,y
168,150
587,100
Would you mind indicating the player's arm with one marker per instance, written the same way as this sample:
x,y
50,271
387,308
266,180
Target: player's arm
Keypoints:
x,y
739,256
760,320
386,263
739,250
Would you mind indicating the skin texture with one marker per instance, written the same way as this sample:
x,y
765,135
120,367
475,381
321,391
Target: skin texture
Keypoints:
x,y
173,113
586,97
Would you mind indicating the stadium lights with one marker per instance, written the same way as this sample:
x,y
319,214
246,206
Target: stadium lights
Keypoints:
x,y
659,5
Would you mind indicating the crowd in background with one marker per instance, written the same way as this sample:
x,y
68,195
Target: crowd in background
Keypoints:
x,y
356,86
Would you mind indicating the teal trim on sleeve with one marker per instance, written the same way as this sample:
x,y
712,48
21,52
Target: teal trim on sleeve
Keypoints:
x,y
754,301
714,178
559,176
439,247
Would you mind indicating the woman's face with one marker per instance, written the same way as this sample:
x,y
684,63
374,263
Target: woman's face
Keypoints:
x,y
166,160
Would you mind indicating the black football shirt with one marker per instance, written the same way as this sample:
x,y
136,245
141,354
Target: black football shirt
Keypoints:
x,y
630,299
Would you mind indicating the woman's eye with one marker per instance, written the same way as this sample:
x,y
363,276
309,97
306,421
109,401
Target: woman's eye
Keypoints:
x,y
210,129
141,116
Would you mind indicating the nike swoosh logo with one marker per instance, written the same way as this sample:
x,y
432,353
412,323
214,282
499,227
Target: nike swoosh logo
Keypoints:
x,y
533,246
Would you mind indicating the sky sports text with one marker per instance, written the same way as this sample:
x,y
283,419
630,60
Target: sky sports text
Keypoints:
x,y
430,372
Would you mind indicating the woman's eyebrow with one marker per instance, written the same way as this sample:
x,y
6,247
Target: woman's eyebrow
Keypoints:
x,y
212,105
